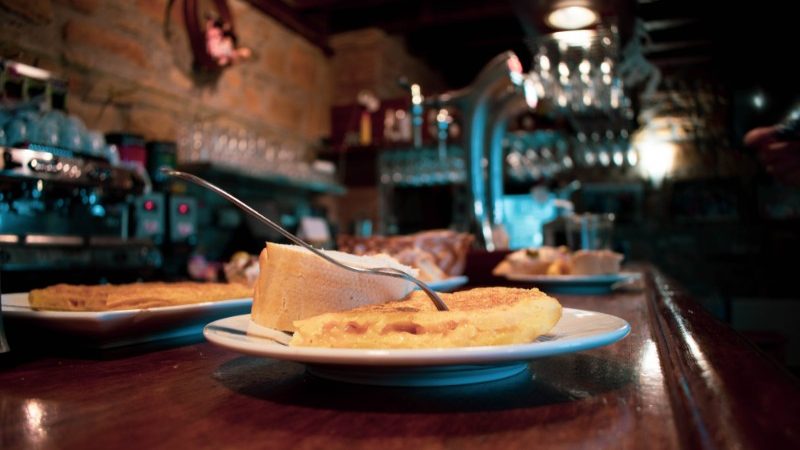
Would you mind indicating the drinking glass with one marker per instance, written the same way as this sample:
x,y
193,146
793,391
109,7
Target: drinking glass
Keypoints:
x,y
589,231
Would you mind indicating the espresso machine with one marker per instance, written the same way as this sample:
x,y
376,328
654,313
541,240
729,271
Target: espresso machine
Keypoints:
x,y
67,218
66,211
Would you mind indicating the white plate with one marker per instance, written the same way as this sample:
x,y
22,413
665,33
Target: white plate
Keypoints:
x,y
576,331
115,328
576,284
448,284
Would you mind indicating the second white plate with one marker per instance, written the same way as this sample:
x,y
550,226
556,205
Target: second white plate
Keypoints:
x,y
107,329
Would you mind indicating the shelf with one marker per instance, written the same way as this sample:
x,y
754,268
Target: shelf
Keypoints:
x,y
231,176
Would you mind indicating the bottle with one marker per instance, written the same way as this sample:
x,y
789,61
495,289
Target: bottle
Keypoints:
x,y
365,131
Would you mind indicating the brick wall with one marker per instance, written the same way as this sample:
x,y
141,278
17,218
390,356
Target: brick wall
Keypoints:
x,y
126,73
371,59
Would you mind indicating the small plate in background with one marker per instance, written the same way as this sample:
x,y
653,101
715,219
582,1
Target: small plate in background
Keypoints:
x,y
576,284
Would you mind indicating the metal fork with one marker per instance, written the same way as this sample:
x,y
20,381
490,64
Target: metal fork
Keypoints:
x,y
384,271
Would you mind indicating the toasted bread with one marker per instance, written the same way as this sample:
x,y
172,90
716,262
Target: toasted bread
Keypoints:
x,y
295,284
478,317
109,297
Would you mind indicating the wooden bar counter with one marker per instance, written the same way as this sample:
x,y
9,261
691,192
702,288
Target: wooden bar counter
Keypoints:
x,y
679,380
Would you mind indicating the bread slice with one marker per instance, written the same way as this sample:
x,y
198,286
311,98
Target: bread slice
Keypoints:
x,y
295,284
478,317
110,297
596,262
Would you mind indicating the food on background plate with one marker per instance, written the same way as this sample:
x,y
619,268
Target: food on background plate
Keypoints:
x,y
559,261
478,317
544,260
436,255
596,262
423,262
242,268
295,284
447,249
111,297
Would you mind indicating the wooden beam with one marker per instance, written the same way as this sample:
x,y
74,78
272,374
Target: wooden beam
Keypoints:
x,y
332,5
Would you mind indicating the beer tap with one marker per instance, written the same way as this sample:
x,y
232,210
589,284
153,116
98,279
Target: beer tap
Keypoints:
x,y
417,109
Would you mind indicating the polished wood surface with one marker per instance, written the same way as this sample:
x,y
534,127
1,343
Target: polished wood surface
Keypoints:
x,y
725,394
680,379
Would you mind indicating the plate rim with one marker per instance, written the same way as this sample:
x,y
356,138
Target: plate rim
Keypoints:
x,y
16,311
565,279
264,347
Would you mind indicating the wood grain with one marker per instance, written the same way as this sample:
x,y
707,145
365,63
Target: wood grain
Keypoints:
x,y
725,393
627,395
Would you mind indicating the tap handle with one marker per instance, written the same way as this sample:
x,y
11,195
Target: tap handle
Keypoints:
x,y
3,342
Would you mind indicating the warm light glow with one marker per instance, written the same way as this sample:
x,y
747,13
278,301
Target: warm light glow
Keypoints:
x,y
416,94
669,127
575,38
563,69
605,66
544,63
515,71
514,64
649,364
632,157
531,96
34,415
585,66
619,158
758,101
656,157
590,158
31,72
571,17
604,158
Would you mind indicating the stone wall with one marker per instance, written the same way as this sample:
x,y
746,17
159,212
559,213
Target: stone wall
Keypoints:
x,y
129,71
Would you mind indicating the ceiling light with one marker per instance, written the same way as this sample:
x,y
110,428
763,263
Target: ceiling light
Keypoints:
x,y
571,17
